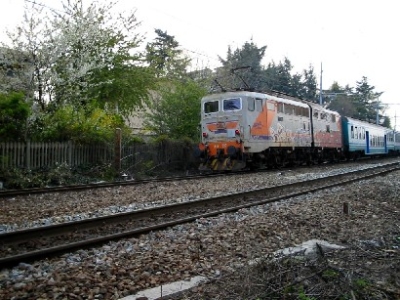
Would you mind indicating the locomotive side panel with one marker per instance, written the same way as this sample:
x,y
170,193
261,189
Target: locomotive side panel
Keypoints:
x,y
327,128
278,123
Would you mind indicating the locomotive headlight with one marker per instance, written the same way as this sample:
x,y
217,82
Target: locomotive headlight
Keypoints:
x,y
205,134
237,132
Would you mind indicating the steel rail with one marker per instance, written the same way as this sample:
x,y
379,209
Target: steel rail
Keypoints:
x,y
250,198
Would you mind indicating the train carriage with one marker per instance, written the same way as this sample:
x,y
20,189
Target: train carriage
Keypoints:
x,y
393,141
364,139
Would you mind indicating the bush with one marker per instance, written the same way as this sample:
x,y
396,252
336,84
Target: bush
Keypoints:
x,y
59,175
14,112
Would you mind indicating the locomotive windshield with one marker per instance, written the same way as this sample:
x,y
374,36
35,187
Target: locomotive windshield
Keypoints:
x,y
211,106
232,104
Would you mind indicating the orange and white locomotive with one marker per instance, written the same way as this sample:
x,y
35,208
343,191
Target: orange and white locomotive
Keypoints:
x,y
245,129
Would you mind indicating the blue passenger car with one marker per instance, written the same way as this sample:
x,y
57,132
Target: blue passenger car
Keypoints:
x,y
364,139
393,142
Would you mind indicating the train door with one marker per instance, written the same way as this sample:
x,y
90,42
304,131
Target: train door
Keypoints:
x,y
367,141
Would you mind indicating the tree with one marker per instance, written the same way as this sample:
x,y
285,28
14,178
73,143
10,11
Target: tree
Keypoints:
x,y
278,77
367,100
14,112
94,49
308,90
80,56
165,57
247,60
29,56
176,111
344,104
122,88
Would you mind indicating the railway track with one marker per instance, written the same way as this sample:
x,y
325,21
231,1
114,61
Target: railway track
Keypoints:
x,y
6,193
69,188
36,243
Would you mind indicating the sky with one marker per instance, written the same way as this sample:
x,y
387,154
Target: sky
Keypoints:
x,y
350,38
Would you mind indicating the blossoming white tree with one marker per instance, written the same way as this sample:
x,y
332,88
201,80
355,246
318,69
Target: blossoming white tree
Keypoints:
x,y
81,55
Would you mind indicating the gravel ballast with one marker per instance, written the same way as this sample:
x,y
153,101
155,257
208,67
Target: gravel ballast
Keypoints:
x,y
213,247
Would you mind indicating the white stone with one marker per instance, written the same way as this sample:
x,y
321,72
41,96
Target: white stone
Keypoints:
x,y
307,247
168,289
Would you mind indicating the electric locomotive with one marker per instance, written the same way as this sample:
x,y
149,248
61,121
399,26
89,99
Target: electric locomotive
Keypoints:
x,y
245,129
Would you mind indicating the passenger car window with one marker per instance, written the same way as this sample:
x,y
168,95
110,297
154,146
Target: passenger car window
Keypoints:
x,y
232,104
211,106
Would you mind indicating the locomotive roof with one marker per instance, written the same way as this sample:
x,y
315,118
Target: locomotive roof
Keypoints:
x,y
359,122
254,95
292,100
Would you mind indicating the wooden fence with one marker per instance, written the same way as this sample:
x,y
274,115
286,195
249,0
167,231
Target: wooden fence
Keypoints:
x,y
35,155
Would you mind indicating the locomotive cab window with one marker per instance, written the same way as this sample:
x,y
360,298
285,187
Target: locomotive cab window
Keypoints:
x,y
251,104
280,107
271,106
210,107
259,103
289,109
232,104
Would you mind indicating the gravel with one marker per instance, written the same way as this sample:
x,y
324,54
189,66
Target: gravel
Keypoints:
x,y
35,210
210,247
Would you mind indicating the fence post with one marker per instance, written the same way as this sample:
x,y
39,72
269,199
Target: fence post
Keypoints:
x,y
69,147
117,153
28,155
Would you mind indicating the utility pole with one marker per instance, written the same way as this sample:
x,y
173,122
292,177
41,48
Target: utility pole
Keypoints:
x,y
320,88
377,112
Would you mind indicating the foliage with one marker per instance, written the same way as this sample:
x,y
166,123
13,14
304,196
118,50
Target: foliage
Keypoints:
x,y
175,112
165,57
248,61
345,105
14,112
83,127
361,104
367,100
61,174
123,89
81,54
243,69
